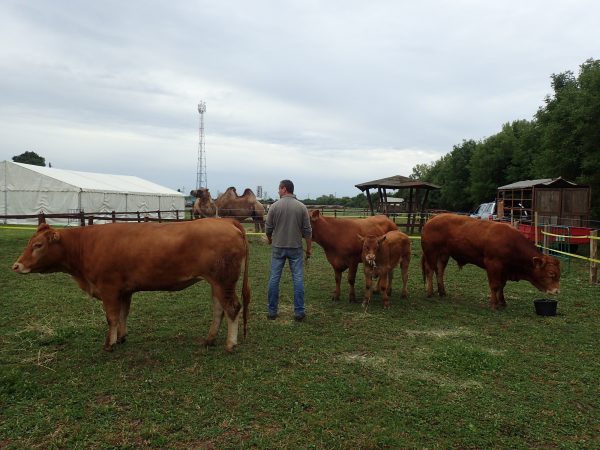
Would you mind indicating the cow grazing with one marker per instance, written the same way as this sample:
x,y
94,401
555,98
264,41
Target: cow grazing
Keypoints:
x,y
380,255
498,248
110,262
343,248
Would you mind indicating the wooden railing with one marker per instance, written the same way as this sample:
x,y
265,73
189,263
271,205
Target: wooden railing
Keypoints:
x,y
87,218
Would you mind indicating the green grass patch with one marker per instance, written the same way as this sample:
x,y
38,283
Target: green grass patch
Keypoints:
x,y
429,372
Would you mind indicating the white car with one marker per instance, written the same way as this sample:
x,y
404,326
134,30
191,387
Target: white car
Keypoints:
x,y
486,211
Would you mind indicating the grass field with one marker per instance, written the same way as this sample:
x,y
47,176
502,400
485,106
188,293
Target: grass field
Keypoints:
x,y
427,373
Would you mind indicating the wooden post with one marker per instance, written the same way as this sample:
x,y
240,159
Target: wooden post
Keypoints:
x,y
114,217
138,217
594,255
535,227
158,214
370,202
41,218
91,220
81,218
545,240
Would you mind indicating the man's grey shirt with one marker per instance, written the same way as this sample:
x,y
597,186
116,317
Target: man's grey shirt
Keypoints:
x,y
288,222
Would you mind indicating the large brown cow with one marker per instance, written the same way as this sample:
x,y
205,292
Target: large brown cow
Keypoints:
x,y
110,262
343,248
498,248
380,255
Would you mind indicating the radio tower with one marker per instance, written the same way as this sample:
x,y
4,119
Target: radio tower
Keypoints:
x,y
201,172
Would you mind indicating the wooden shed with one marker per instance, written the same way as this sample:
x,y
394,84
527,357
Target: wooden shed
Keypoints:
x,y
410,199
555,200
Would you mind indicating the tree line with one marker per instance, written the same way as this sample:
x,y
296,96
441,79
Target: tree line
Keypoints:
x,y
562,139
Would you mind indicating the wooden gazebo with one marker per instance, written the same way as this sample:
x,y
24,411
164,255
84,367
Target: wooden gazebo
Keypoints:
x,y
414,193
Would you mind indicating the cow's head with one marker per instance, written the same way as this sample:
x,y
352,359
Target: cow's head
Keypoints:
x,y
545,274
370,246
42,254
314,215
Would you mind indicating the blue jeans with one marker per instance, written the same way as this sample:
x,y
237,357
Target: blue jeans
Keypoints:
x,y
278,257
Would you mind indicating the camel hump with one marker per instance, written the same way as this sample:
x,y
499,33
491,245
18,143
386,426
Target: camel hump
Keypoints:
x,y
249,194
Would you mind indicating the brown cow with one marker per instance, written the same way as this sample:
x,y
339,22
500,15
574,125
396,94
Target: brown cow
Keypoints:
x,y
204,206
110,262
380,255
343,248
498,248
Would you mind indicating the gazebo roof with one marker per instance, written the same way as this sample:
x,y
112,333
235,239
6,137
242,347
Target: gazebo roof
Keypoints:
x,y
396,182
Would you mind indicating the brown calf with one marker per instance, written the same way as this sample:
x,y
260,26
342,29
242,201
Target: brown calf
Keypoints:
x,y
380,255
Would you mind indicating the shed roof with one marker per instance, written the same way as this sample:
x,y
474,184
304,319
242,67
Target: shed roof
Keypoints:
x,y
100,182
543,182
396,182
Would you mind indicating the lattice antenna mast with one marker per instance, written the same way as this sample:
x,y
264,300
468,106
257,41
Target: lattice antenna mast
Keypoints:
x,y
201,172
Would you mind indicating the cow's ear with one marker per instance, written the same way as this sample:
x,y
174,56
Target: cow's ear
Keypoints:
x,y
538,262
314,214
43,227
54,237
381,239
360,238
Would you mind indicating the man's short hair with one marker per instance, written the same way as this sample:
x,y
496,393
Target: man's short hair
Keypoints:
x,y
288,185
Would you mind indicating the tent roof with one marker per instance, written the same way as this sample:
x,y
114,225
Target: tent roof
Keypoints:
x,y
101,182
545,182
396,182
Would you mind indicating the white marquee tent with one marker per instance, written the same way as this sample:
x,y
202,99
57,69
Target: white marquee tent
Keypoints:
x,y
27,189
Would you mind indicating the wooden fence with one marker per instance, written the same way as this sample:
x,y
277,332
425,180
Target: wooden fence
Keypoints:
x,y
86,218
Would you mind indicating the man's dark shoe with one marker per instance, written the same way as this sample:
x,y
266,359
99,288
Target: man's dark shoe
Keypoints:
x,y
299,318
271,316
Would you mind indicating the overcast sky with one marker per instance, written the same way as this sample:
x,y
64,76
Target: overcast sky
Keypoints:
x,y
326,93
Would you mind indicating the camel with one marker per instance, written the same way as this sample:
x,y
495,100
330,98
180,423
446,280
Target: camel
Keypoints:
x,y
229,204
203,205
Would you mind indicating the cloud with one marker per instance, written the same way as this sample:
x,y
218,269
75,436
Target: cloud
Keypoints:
x,y
329,94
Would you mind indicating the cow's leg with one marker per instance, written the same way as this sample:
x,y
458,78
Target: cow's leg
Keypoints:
x,y
496,283
404,267
124,313
385,285
338,282
440,268
231,308
112,309
351,280
368,287
216,322
232,331
427,275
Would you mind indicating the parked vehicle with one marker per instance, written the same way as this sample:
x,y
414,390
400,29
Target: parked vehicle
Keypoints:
x,y
485,211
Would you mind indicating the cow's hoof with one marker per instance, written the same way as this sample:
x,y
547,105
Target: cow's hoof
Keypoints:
x,y
108,348
229,348
207,342
122,339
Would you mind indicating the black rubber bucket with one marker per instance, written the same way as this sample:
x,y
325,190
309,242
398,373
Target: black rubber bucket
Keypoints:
x,y
545,306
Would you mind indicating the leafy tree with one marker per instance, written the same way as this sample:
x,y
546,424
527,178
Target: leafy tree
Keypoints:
x,y
30,158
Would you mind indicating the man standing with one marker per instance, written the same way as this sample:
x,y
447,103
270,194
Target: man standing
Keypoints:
x,y
287,223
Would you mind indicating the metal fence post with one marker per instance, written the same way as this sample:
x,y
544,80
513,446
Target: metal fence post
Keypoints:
x,y
594,255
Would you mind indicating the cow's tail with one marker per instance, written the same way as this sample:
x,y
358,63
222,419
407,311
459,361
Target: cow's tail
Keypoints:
x,y
246,293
